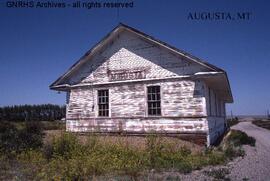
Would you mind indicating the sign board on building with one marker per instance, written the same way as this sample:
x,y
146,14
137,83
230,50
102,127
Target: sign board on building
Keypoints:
x,y
127,75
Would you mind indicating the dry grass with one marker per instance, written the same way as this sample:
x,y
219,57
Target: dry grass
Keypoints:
x,y
82,157
137,142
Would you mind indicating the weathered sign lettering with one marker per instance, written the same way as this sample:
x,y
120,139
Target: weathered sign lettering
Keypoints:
x,y
127,75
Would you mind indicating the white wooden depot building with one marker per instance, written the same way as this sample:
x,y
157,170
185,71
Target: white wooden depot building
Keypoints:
x,y
132,83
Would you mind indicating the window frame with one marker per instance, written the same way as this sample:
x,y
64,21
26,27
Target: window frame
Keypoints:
x,y
158,109
106,94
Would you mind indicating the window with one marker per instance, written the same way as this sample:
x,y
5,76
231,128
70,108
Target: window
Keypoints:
x,y
103,103
153,100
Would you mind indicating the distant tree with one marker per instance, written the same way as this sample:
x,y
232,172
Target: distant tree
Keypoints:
x,y
43,112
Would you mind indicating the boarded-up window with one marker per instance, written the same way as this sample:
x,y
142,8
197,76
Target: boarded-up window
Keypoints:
x,y
153,100
103,103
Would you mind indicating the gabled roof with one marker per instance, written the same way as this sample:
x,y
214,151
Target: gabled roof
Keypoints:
x,y
114,32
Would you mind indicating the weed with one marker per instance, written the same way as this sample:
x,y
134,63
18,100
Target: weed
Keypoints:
x,y
220,173
65,146
238,138
13,140
65,157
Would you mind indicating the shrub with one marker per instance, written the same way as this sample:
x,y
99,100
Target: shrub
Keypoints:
x,y
65,146
53,125
47,150
232,152
233,121
184,151
215,158
220,174
31,136
238,138
8,138
154,148
162,155
13,140
183,166
32,157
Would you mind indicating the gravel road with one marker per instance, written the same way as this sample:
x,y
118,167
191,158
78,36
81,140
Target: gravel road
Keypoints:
x,y
256,164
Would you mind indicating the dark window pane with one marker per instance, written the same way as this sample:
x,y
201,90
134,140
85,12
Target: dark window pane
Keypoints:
x,y
158,96
153,100
153,96
103,102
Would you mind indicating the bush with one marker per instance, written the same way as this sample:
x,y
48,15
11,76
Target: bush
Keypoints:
x,y
8,138
13,140
233,121
238,138
232,152
220,174
53,125
65,146
31,136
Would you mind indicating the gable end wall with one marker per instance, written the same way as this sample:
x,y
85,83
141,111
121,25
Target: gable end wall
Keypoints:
x,y
129,52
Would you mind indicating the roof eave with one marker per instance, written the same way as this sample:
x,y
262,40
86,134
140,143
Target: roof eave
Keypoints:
x,y
82,59
229,88
63,87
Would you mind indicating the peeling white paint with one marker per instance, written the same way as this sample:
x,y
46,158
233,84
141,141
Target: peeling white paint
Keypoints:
x,y
185,101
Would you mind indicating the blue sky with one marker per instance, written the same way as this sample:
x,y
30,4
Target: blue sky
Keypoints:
x,y
37,45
